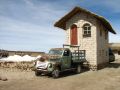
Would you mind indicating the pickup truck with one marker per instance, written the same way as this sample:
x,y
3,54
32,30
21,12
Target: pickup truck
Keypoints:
x,y
60,60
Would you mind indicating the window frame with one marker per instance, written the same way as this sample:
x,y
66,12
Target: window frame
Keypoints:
x,y
86,30
66,53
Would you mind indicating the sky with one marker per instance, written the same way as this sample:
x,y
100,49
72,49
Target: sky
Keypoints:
x,y
29,24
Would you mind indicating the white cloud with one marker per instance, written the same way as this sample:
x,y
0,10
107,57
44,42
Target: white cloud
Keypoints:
x,y
25,24
114,38
29,3
114,5
45,11
31,27
25,27
26,35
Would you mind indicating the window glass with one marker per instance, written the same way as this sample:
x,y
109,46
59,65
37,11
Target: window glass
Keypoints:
x,y
55,52
89,32
89,28
86,30
66,53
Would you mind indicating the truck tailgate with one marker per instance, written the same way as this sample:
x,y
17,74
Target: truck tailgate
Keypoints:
x,y
78,56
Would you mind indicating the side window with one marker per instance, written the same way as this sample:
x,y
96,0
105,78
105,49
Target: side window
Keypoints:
x,y
66,53
86,30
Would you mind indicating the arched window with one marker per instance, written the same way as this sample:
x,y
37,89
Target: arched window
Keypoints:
x,y
86,30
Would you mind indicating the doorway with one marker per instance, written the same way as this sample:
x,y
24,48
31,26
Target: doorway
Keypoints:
x,y
73,35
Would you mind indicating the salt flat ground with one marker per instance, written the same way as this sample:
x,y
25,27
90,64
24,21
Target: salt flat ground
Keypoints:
x,y
104,79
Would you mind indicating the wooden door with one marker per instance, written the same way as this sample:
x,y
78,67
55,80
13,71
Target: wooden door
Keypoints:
x,y
74,39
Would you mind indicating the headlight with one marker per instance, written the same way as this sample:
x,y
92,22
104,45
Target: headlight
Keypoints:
x,y
50,65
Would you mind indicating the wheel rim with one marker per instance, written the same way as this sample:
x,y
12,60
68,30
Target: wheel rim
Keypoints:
x,y
56,73
79,69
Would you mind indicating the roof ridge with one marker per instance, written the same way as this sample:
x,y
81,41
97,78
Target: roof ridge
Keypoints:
x,y
61,23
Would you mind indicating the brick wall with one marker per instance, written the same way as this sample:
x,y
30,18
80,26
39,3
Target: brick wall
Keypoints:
x,y
102,44
92,44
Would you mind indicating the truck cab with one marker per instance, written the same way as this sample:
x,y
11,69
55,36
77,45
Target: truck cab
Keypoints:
x,y
59,60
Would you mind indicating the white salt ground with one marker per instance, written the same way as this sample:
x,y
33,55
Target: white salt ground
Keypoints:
x,y
17,58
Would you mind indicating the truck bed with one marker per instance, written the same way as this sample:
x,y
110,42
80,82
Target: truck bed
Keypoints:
x,y
78,56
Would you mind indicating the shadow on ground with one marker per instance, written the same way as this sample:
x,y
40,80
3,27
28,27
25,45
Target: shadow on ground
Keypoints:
x,y
114,65
68,73
71,73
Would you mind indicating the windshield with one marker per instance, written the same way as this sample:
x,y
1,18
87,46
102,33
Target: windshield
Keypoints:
x,y
55,52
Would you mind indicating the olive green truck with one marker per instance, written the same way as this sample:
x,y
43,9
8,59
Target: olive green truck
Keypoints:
x,y
60,60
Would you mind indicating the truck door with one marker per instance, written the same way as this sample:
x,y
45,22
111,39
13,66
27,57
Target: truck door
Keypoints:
x,y
66,61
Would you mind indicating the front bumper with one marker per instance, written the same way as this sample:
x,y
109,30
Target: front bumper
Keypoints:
x,y
44,71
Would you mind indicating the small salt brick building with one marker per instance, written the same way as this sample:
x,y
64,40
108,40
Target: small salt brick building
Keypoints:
x,y
89,31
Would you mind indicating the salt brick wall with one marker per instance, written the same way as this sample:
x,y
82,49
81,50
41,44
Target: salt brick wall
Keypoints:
x,y
92,44
102,45
86,43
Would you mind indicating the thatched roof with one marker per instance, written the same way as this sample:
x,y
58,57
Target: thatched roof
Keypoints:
x,y
62,22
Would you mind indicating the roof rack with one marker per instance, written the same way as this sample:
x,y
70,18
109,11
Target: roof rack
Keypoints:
x,y
70,45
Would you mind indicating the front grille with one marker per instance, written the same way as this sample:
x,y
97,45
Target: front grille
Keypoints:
x,y
41,68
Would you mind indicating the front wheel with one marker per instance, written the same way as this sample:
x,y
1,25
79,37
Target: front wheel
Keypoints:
x,y
56,73
78,69
37,73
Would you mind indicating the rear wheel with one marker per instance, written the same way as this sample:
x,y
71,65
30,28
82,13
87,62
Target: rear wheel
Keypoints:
x,y
56,73
78,69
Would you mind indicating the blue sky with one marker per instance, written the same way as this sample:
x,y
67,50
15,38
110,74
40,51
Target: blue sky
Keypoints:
x,y
28,24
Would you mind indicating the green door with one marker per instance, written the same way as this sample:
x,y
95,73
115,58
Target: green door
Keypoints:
x,y
66,60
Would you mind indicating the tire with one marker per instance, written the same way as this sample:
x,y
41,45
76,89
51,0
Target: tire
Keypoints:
x,y
78,69
56,73
37,73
